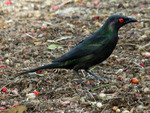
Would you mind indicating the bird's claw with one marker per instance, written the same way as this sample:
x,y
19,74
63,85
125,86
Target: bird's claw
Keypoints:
x,y
104,79
83,83
100,78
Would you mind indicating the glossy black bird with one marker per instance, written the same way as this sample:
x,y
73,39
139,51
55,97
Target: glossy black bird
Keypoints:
x,y
91,51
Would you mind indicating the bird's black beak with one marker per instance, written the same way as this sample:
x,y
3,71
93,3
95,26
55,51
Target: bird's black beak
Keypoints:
x,y
131,20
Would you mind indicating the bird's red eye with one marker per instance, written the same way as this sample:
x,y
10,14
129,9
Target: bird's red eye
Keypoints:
x,y
121,20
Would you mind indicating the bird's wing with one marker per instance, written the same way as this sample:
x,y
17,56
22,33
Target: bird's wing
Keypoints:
x,y
86,47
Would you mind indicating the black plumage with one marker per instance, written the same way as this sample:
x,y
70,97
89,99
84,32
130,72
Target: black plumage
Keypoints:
x,y
93,50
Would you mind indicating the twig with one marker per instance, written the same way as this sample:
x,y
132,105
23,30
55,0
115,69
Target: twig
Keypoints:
x,y
30,36
103,86
143,47
130,44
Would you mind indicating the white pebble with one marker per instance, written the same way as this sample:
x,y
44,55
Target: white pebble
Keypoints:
x,y
125,111
118,111
31,95
102,95
141,107
7,61
146,90
99,105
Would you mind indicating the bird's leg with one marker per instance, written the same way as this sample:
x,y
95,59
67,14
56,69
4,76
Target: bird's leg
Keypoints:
x,y
97,77
80,79
76,73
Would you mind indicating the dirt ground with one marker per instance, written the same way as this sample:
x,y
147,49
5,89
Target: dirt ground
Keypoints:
x,y
35,32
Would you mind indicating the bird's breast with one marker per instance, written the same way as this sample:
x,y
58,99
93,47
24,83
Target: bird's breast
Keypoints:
x,y
107,50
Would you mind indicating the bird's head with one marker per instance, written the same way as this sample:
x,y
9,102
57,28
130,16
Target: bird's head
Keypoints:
x,y
116,21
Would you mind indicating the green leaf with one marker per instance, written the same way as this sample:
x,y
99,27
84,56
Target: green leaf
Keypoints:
x,y
54,46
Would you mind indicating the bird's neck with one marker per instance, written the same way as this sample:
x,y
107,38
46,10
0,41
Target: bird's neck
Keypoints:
x,y
108,30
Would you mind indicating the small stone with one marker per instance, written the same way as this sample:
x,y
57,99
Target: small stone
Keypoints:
x,y
147,33
98,24
139,25
65,103
125,87
113,88
7,61
147,25
36,53
118,111
125,111
37,14
113,1
146,90
122,60
115,108
89,4
77,1
86,32
144,36
3,103
31,95
99,105
140,108
147,69
102,95
119,71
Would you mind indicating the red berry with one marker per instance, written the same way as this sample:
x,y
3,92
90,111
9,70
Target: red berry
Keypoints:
x,y
38,72
55,7
43,27
87,82
2,66
96,3
4,90
120,78
2,108
134,81
115,108
9,2
126,69
15,105
146,54
142,64
96,17
36,92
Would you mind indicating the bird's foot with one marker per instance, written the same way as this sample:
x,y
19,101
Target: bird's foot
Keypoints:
x,y
107,77
83,83
97,77
100,78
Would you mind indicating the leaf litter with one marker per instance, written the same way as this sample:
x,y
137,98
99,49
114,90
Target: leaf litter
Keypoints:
x,y
33,33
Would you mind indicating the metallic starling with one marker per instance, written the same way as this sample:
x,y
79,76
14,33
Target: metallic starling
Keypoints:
x,y
91,51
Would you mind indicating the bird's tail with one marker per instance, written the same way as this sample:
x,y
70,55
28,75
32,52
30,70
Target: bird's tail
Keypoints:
x,y
49,66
